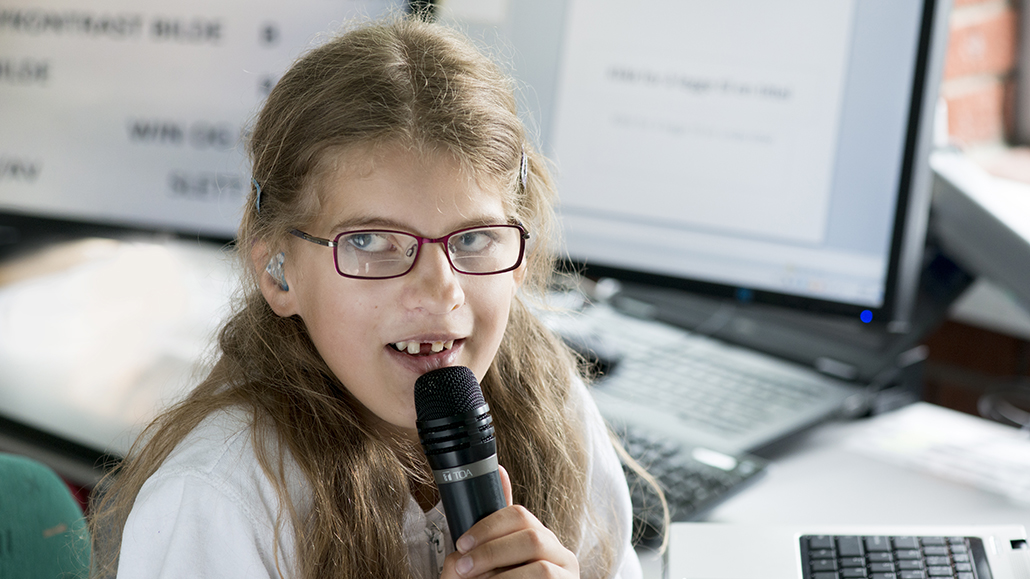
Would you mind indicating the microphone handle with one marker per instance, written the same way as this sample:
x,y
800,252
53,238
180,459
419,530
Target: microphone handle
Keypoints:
x,y
467,501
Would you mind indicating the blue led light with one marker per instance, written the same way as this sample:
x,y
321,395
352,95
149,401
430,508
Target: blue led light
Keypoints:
x,y
866,316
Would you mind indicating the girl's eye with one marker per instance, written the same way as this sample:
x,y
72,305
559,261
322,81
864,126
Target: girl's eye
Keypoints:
x,y
371,242
472,242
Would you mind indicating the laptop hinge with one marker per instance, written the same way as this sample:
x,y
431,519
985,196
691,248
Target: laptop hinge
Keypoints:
x,y
836,368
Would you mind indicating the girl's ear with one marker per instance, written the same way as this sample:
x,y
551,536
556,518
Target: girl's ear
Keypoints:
x,y
520,274
276,291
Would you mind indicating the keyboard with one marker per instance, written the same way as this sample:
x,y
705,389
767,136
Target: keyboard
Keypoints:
x,y
723,397
842,557
694,480
707,392
728,392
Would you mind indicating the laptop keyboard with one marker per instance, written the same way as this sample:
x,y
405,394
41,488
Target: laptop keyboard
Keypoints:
x,y
721,396
841,557
694,481
722,390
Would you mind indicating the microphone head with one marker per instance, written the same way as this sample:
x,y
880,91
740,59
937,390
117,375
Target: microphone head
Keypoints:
x,y
446,392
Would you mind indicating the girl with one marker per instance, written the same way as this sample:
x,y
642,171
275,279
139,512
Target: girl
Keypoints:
x,y
398,222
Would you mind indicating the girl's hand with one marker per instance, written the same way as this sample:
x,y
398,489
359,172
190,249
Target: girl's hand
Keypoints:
x,y
510,543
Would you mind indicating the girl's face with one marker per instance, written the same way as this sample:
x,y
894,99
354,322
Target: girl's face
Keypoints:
x,y
356,324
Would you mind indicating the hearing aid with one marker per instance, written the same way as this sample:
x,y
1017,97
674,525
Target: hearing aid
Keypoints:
x,y
275,269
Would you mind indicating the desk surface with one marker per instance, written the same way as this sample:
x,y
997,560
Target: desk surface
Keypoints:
x,y
826,477
831,475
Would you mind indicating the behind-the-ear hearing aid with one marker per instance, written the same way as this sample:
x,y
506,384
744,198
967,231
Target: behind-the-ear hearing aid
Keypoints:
x,y
275,269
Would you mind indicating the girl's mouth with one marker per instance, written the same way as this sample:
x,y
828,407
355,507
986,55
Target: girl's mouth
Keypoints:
x,y
422,348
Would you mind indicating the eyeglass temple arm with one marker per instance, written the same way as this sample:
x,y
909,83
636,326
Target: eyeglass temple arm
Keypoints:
x,y
312,238
522,228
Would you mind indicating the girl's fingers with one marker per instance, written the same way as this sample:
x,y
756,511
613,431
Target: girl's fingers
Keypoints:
x,y
495,525
511,538
510,542
505,485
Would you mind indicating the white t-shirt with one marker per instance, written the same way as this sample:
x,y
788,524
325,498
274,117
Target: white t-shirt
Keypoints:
x,y
210,510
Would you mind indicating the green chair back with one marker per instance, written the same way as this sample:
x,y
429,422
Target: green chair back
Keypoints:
x,y
42,530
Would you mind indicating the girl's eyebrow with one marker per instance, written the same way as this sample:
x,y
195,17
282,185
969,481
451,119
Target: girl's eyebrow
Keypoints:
x,y
373,222
366,222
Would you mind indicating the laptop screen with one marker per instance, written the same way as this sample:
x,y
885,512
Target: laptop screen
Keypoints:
x,y
766,151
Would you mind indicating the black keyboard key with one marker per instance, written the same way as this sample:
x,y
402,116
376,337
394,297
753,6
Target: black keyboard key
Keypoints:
x,y
820,542
853,572
823,554
929,551
883,576
825,575
882,557
824,565
881,567
905,543
940,571
912,575
873,544
908,554
849,546
910,564
853,562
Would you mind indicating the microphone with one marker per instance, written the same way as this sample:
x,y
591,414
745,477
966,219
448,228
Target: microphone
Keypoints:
x,y
457,435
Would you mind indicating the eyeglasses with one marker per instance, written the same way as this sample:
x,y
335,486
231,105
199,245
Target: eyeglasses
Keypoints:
x,y
383,254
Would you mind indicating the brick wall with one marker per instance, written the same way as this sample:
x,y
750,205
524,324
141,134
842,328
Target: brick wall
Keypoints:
x,y
979,72
979,87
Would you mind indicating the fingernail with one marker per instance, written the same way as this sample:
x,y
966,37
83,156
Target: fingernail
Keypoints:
x,y
463,566
465,543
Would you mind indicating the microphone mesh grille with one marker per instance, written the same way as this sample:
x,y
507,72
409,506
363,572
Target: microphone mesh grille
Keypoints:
x,y
445,392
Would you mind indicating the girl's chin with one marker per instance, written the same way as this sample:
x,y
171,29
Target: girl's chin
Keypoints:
x,y
396,427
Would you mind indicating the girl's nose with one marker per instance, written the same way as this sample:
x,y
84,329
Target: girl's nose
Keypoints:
x,y
435,286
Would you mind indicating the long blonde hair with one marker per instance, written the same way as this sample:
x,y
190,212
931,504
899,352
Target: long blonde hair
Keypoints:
x,y
400,81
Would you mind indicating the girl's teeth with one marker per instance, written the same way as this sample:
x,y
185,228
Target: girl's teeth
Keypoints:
x,y
415,347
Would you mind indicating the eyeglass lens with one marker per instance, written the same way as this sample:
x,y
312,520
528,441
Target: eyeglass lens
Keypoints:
x,y
379,254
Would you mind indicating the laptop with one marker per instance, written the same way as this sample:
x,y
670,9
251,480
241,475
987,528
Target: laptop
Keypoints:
x,y
757,186
728,551
673,384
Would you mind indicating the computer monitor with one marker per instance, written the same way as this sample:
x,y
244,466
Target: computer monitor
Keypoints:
x,y
763,151
134,114
126,119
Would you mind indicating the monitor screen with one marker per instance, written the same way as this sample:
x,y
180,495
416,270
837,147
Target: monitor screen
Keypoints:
x,y
134,114
770,151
